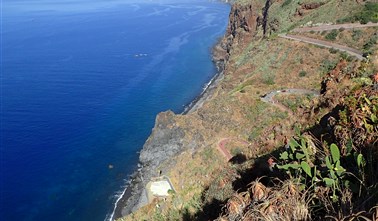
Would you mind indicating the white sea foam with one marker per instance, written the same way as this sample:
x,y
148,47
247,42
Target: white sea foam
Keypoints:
x,y
119,195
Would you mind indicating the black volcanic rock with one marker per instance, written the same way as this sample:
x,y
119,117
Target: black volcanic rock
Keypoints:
x,y
165,141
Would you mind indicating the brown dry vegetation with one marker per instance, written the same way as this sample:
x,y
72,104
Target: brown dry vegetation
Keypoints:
x,y
354,38
210,188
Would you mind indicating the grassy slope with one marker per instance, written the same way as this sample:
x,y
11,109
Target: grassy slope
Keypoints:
x,y
202,178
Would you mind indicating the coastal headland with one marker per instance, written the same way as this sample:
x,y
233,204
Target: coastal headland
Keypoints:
x,y
218,150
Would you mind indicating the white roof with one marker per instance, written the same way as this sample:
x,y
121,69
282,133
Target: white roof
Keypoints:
x,y
160,188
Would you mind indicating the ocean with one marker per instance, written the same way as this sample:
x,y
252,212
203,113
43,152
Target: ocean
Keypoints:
x,y
81,84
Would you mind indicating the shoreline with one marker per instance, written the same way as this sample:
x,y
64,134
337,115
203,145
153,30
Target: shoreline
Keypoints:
x,y
132,197
207,91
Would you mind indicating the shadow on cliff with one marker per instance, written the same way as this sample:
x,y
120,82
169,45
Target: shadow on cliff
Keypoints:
x,y
210,211
261,170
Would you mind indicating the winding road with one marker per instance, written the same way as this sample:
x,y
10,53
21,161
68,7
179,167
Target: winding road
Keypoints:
x,y
269,97
351,51
333,27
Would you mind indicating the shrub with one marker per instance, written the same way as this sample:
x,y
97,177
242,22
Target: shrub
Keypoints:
x,y
268,79
333,50
369,45
302,73
332,35
344,55
356,35
370,13
330,170
286,3
328,65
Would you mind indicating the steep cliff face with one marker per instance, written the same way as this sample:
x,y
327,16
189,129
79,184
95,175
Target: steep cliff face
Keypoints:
x,y
187,147
242,26
165,141
243,21
171,132
174,134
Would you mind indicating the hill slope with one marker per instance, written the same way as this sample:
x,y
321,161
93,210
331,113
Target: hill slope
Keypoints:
x,y
276,110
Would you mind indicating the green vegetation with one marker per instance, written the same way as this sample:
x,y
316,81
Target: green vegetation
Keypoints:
x,y
327,170
356,35
368,14
332,35
268,78
283,14
340,170
293,102
370,45
333,50
327,65
286,3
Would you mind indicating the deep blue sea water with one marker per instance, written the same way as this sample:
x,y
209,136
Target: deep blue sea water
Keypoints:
x,y
81,84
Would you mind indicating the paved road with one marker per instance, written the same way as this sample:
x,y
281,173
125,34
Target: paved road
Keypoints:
x,y
351,51
337,26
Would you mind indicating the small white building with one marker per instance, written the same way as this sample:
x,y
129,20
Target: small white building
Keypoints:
x,y
158,188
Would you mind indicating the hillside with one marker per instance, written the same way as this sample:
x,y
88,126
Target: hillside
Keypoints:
x,y
290,129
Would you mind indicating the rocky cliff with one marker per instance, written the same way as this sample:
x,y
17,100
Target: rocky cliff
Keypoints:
x,y
175,133
244,20
172,132
231,114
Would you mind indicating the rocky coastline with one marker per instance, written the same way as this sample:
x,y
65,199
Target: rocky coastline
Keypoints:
x,y
164,143
168,137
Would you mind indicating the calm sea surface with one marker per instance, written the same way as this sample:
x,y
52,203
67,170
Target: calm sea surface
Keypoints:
x,y
81,83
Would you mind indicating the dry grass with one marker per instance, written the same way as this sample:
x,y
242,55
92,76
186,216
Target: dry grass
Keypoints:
x,y
282,202
201,173
354,38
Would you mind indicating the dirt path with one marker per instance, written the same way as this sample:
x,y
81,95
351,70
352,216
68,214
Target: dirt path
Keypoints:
x,y
351,51
268,98
224,151
332,27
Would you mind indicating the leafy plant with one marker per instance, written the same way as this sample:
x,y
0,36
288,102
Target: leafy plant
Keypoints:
x,y
286,3
370,13
334,170
298,158
368,46
299,161
356,34
333,50
328,65
302,73
332,35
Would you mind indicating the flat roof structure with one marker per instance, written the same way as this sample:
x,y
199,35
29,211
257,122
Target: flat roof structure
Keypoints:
x,y
158,187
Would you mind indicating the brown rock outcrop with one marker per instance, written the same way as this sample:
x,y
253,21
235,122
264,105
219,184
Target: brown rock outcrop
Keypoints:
x,y
243,23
